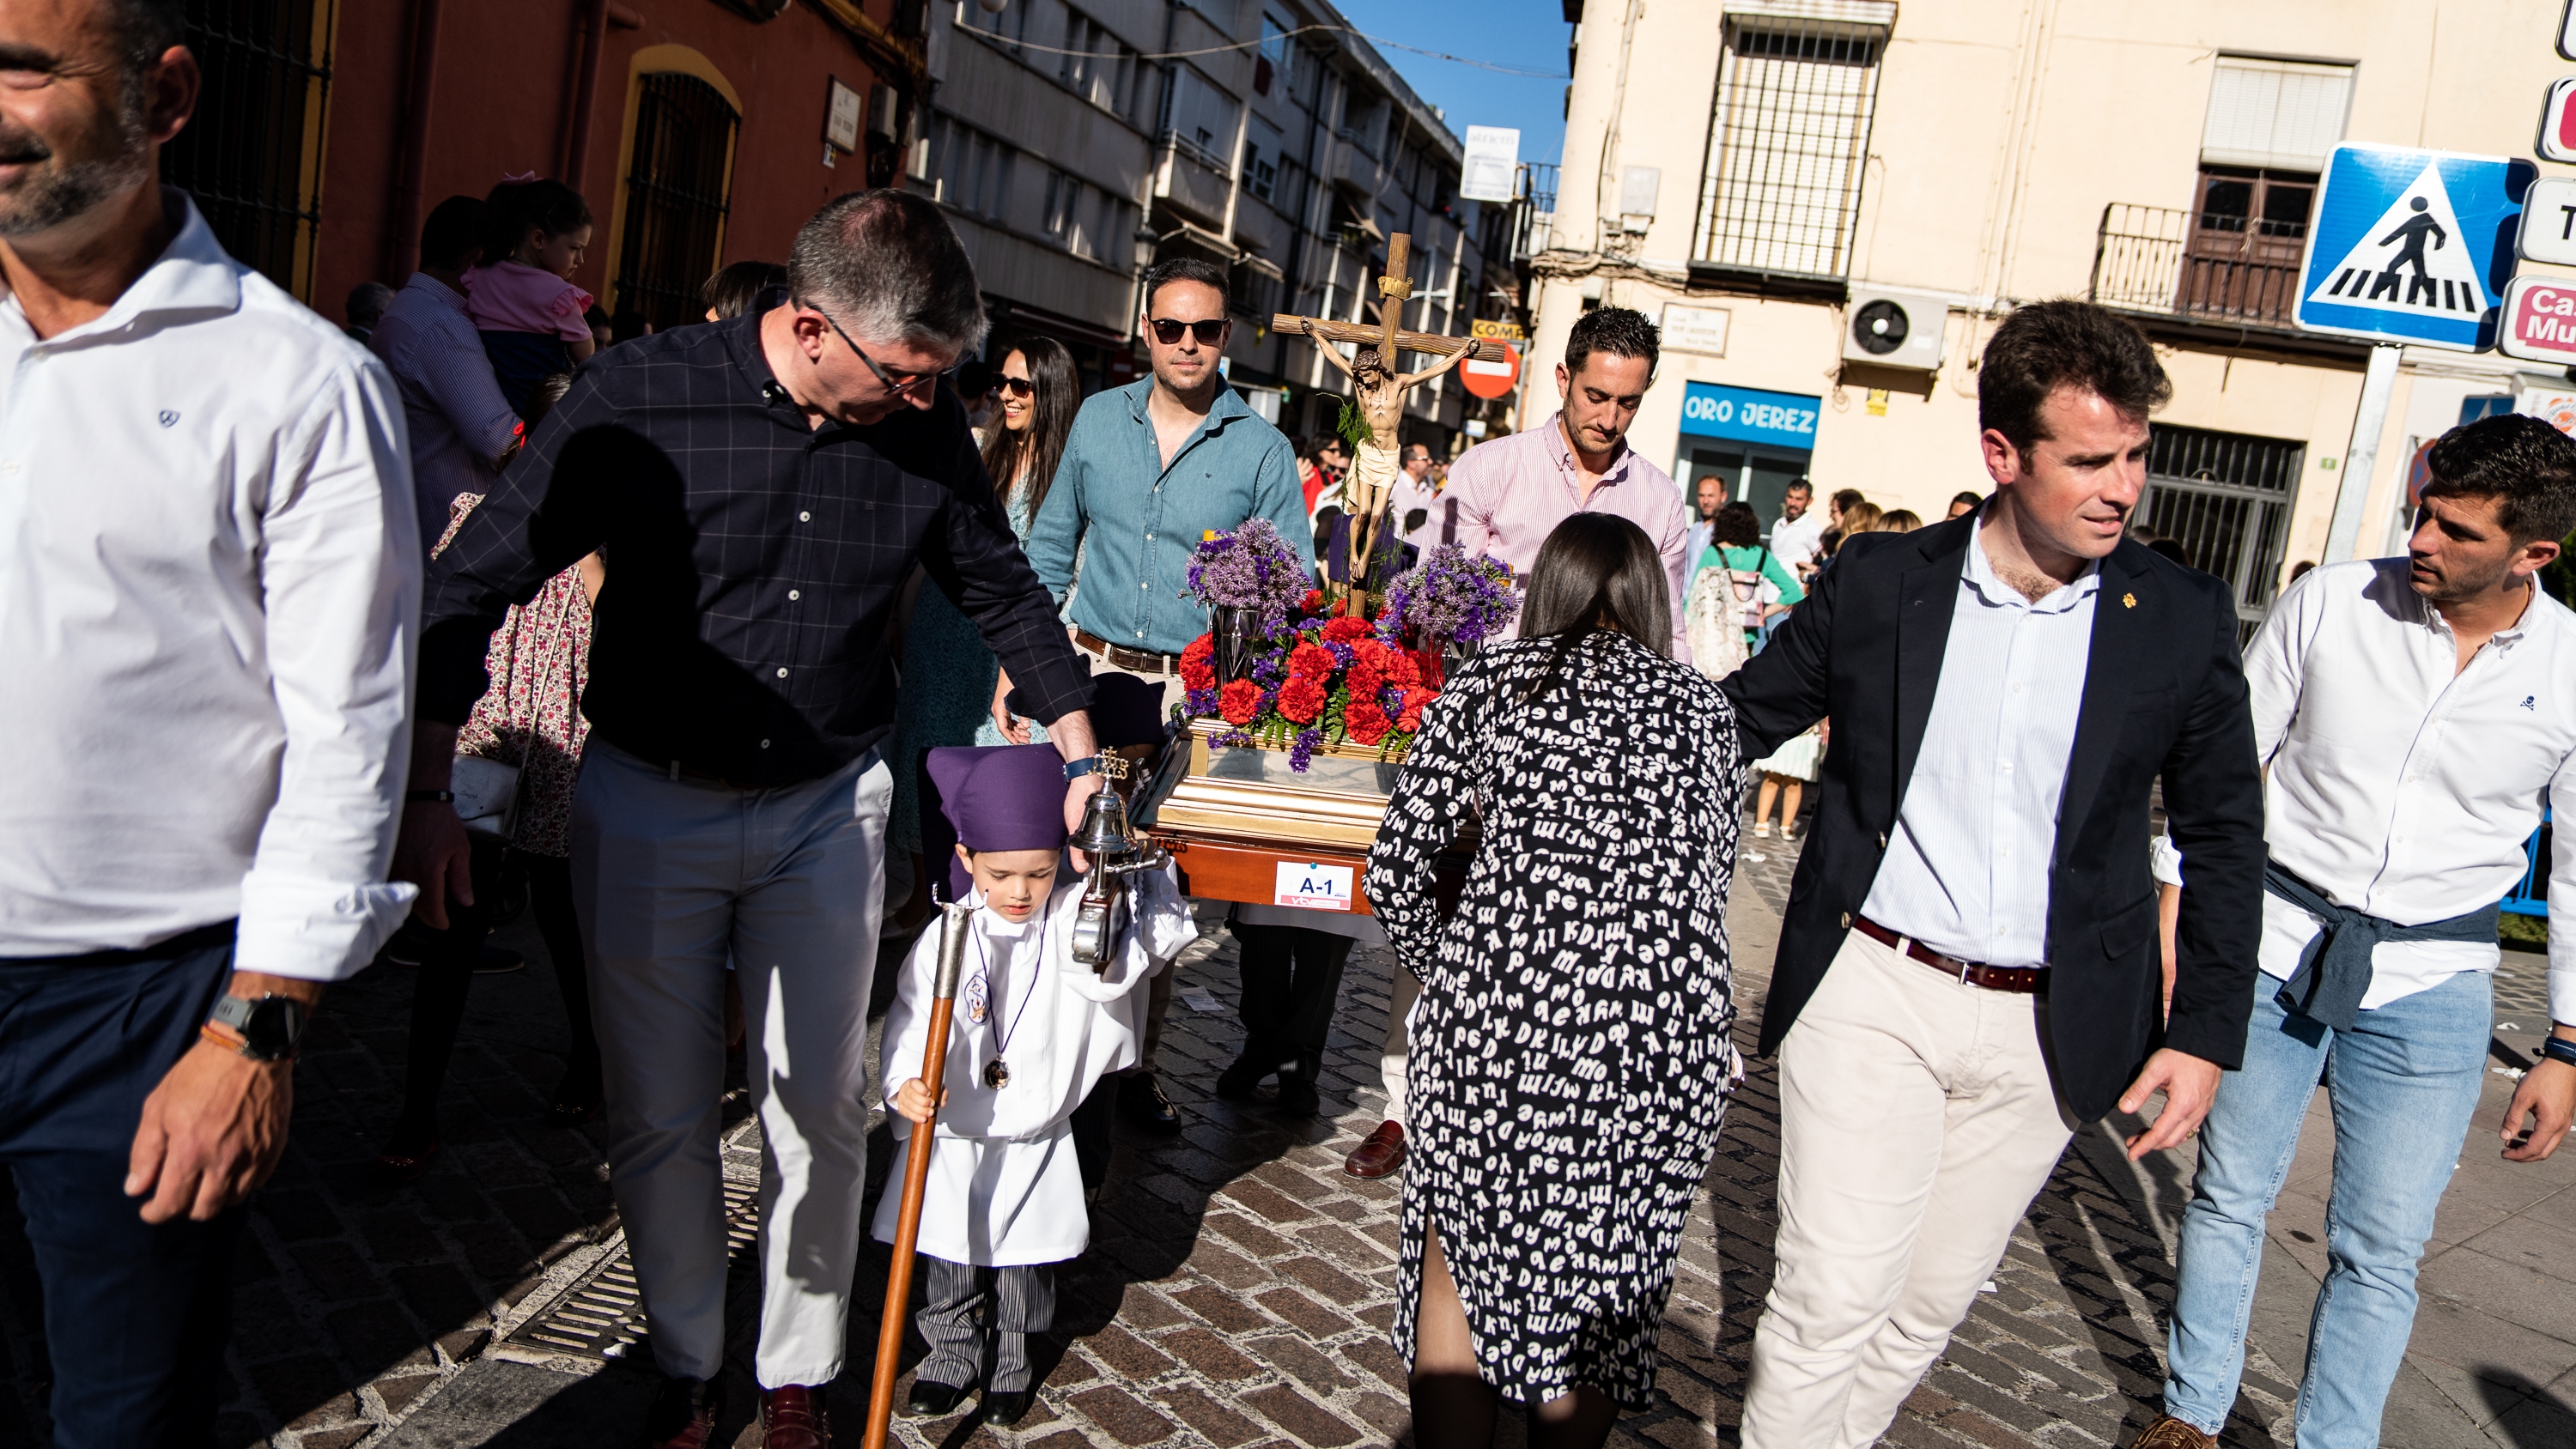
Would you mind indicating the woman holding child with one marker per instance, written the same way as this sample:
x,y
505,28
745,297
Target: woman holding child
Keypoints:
x,y
1572,1037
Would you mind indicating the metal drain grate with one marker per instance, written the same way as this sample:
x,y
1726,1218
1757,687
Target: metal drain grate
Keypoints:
x,y
601,1316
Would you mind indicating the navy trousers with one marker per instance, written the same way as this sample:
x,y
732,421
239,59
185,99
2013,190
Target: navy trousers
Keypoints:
x,y
134,1313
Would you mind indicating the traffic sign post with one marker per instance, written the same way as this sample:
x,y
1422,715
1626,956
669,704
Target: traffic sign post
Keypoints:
x,y
2407,247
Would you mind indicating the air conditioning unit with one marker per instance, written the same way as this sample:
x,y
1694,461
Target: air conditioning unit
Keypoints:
x,y
1888,328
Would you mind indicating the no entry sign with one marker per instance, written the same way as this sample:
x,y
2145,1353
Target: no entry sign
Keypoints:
x,y
1492,379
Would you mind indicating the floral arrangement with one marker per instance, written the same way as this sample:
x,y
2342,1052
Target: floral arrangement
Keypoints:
x,y
1448,598
1317,682
1250,568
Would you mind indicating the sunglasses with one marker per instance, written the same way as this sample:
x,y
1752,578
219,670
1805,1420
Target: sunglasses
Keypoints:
x,y
1016,386
1209,333
894,382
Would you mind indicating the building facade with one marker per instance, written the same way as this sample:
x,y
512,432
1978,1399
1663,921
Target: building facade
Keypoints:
x,y
1830,204
700,131
1075,142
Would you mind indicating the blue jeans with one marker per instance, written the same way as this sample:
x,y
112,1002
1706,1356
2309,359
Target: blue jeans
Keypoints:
x,y
2403,1083
134,1312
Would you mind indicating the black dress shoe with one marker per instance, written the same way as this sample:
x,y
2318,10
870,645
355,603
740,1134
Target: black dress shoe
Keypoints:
x,y
1238,1082
1006,1409
1141,1100
1297,1095
933,1400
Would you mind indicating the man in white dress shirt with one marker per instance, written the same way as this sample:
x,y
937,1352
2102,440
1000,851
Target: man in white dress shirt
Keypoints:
x,y
1798,532
2417,713
208,582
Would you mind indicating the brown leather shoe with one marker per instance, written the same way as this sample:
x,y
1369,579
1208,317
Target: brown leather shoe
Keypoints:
x,y
793,1416
1380,1153
2168,1432
683,1415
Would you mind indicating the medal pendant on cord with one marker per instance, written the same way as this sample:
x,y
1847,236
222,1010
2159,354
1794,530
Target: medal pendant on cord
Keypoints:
x,y
997,1074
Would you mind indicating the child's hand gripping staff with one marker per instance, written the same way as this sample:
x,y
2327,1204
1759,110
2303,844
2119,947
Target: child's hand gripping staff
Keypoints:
x,y
920,1093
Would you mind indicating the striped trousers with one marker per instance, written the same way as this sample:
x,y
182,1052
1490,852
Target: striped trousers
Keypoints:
x,y
978,1320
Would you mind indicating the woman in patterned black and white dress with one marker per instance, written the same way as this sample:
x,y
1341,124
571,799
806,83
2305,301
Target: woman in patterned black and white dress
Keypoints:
x,y
1571,1049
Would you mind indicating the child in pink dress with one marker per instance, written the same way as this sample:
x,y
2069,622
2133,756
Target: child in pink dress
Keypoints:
x,y
522,300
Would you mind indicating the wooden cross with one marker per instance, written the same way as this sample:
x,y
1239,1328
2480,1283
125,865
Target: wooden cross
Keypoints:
x,y
1380,396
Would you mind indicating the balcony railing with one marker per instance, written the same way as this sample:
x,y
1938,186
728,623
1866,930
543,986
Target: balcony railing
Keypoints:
x,y
2144,261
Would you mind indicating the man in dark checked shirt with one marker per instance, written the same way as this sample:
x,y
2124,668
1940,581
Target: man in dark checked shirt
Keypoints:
x,y
760,489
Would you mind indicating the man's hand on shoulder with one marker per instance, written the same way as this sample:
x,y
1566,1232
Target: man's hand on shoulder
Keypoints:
x,y
2189,1083
2546,1100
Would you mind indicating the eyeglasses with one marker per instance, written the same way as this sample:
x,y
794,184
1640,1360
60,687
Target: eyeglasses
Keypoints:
x,y
1209,333
894,382
1016,386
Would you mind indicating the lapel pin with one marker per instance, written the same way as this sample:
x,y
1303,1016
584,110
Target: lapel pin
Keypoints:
x,y
2128,601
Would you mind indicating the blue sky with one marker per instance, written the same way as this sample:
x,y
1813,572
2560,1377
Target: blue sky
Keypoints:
x,y
1524,34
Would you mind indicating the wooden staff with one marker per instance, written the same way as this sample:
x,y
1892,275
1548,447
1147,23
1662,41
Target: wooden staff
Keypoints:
x,y
916,1171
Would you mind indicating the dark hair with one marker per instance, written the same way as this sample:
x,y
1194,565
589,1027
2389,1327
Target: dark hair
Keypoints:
x,y
145,28
1333,441
1056,394
1596,570
367,303
629,324
2171,550
1800,485
1619,330
453,235
2044,346
1182,269
514,207
1847,499
2526,465
549,390
736,287
1969,497
1735,526
890,268
594,315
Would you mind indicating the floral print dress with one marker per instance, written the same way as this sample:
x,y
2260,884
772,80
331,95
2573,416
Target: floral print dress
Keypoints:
x,y
1571,1052
531,717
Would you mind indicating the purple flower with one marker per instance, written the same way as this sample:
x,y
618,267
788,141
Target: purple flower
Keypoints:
x,y
1448,596
1303,750
1250,568
1202,702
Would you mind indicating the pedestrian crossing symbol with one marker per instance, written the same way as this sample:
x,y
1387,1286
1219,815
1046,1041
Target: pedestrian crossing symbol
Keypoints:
x,y
2412,246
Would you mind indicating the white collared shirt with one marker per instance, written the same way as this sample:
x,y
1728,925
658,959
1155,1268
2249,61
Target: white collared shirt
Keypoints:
x,y
1966,869
1796,540
2404,786
209,590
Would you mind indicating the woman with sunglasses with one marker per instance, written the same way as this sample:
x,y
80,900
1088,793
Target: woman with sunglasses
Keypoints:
x,y
953,687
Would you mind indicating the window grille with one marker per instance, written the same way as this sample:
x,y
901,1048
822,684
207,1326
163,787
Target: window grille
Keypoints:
x,y
2226,499
252,154
676,197
1786,144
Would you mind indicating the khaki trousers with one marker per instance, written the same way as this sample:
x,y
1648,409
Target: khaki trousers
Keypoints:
x,y
1917,1121
1398,1046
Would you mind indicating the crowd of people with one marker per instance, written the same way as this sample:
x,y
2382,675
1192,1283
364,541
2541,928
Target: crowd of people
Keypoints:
x,y
726,645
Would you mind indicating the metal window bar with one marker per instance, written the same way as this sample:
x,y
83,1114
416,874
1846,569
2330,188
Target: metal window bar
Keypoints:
x,y
1787,144
2226,499
251,155
676,197
2142,263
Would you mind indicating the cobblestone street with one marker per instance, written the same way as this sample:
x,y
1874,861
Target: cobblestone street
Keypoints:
x,y
1238,1286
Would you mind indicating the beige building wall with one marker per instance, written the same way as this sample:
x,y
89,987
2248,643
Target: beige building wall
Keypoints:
x,y
2002,130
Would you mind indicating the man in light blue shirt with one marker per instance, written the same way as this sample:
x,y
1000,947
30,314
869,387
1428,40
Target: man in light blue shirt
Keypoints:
x,y
1148,471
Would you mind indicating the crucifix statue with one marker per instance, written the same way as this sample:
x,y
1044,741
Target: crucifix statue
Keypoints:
x,y
1379,389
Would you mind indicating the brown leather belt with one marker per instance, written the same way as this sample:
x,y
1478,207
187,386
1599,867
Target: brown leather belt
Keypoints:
x,y
1134,661
2027,980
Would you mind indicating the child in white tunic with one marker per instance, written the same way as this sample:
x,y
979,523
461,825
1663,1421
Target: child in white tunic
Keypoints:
x,y
1031,1032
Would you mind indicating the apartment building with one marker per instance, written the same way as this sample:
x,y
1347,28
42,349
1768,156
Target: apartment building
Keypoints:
x,y
1829,204
1075,142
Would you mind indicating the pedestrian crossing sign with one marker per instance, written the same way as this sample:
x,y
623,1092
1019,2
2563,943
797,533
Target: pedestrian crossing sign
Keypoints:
x,y
2412,246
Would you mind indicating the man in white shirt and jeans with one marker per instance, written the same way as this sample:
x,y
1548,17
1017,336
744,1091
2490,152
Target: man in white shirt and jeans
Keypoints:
x,y
2417,714
208,586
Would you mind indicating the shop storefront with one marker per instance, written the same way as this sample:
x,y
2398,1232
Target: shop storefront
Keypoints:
x,y
1755,442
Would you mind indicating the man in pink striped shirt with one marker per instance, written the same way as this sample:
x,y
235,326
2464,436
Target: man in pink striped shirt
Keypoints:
x,y
1513,492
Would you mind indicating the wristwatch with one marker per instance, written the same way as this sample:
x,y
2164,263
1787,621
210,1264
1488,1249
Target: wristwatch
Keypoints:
x,y
262,1028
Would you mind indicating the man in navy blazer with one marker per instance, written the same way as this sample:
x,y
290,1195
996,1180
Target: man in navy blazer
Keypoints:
x,y
1969,966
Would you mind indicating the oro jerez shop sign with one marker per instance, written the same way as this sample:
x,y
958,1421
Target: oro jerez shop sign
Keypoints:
x,y
1750,415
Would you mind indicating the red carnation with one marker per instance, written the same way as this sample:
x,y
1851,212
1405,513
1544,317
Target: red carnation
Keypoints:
x,y
1313,601
1240,702
1311,661
1366,722
1414,700
1365,682
1371,653
1401,669
1301,700
1198,668
1345,629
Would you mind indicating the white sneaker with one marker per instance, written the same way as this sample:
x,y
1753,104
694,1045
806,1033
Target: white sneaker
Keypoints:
x,y
1762,830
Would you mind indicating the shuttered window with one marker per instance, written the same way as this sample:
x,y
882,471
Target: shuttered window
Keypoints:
x,y
252,154
2282,115
677,194
1796,88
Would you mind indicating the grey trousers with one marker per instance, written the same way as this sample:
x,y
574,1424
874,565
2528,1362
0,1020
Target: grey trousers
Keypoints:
x,y
978,1322
672,878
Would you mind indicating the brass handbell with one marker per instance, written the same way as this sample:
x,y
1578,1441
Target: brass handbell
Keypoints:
x,y
1115,855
